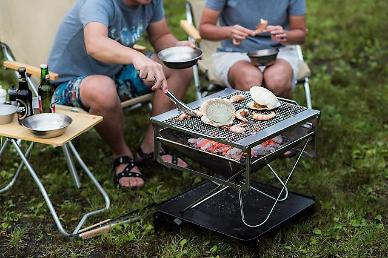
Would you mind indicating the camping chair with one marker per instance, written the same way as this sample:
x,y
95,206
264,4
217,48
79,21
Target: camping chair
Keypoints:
x,y
27,31
194,10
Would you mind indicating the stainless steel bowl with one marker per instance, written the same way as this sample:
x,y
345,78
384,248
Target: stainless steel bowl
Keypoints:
x,y
264,57
180,57
7,113
47,125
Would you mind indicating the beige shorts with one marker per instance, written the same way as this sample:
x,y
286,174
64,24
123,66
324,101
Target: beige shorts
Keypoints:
x,y
223,61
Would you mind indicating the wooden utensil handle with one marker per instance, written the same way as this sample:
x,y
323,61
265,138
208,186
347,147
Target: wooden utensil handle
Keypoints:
x,y
35,71
95,232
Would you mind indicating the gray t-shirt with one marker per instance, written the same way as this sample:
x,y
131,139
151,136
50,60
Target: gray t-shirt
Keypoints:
x,y
248,13
125,24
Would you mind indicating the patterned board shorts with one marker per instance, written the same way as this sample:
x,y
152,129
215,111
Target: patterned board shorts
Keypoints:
x,y
128,85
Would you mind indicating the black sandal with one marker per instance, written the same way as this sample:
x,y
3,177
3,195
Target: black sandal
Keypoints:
x,y
126,171
147,158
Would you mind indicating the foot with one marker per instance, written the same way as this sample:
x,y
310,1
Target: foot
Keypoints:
x,y
143,156
129,182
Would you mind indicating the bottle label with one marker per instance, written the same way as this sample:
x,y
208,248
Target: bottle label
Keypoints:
x,y
24,110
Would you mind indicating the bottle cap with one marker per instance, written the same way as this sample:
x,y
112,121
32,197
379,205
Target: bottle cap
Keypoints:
x,y
21,69
44,66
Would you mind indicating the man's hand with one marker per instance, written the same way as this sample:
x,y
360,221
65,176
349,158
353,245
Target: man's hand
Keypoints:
x,y
278,34
186,43
151,72
239,33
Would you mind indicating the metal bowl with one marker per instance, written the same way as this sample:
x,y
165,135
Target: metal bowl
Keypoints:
x,y
264,57
47,125
180,57
7,112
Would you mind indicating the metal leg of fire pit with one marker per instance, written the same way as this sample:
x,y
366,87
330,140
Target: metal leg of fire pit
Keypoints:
x,y
47,198
277,198
218,189
21,165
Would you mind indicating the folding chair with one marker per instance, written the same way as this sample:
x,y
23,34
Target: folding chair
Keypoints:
x,y
27,31
194,10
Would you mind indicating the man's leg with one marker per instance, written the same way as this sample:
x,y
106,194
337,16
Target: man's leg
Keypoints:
x,y
243,75
278,78
178,81
98,93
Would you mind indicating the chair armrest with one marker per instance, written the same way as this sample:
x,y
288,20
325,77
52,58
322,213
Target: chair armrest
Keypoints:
x,y
35,71
303,70
190,30
139,48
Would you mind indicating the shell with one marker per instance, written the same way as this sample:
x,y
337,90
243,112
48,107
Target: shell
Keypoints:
x,y
261,26
217,112
265,98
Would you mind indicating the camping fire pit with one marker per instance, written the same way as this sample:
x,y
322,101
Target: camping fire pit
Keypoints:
x,y
230,187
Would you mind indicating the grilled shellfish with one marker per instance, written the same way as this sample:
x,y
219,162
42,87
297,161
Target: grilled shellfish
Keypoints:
x,y
263,99
217,112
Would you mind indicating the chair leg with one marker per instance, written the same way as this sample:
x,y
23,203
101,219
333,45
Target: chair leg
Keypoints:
x,y
307,92
197,82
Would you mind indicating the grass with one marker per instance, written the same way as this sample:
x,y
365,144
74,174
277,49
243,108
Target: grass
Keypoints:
x,y
347,51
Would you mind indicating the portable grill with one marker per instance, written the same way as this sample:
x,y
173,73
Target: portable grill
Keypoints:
x,y
229,202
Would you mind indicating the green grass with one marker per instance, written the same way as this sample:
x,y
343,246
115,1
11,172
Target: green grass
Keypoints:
x,y
347,51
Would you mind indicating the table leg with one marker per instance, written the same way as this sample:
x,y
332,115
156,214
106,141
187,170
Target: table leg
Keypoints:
x,y
21,165
71,166
41,188
97,185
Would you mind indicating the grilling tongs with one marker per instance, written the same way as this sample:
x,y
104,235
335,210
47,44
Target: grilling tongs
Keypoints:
x,y
180,105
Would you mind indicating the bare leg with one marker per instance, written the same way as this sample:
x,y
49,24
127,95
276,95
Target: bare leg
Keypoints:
x,y
178,82
243,75
277,78
98,93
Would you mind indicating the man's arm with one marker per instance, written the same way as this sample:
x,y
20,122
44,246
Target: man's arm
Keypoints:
x,y
160,35
99,46
296,33
102,48
209,30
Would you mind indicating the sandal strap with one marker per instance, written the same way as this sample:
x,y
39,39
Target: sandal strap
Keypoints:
x,y
174,159
127,173
145,156
123,160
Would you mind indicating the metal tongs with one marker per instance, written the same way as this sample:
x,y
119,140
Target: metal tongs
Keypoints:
x,y
180,105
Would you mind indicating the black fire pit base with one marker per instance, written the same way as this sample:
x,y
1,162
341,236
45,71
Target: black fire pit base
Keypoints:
x,y
221,213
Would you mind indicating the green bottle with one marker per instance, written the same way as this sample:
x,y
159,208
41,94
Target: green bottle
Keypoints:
x,y
45,90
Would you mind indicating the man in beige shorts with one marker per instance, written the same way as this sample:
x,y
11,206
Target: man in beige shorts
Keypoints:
x,y
238,23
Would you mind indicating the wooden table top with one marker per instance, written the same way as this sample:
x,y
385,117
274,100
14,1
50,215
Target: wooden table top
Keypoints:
x,y
82,122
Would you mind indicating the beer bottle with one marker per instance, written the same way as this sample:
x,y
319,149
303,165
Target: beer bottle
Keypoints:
x,y
12,95
23,96
45,90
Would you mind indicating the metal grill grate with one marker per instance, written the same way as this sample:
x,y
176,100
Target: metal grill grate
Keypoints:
x,y
195,125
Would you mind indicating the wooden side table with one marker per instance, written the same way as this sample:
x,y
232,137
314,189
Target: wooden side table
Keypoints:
x,y
82,122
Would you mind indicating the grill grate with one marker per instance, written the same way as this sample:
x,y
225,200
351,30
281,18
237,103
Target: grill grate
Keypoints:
x,y
195,125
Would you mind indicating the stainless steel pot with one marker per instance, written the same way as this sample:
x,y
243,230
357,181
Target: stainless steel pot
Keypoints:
x,y
264,57
47,125
180,57
7,113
